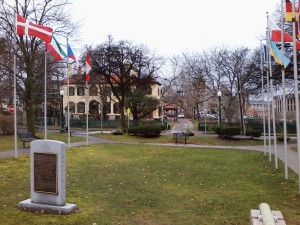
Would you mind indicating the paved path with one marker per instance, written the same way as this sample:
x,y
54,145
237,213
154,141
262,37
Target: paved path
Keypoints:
x,y
292,158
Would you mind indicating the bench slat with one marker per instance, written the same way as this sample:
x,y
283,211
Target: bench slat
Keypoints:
x,y
25,137
180,136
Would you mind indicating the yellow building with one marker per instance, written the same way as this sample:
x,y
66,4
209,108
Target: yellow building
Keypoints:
x,y
98,96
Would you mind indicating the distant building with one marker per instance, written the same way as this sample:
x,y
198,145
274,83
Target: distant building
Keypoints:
x,y
100,98
256,108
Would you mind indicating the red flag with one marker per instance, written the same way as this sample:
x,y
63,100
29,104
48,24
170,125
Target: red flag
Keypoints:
x,y
276,35
88,67
24,27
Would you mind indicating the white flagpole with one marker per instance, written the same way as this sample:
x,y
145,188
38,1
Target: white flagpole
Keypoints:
x,y
45,95
87,112
274,121
15,95
269,118
272,102
262,93
268,86
296,90
283,98
68,99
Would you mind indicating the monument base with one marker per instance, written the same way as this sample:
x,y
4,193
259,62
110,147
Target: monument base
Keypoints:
x,y
29,206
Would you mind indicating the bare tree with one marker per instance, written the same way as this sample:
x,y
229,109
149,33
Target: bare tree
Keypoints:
x,y
30,50
126,67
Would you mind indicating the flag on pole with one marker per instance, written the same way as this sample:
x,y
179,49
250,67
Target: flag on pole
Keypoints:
x,y
276,35
72,56
24,27
88,67
55,49
266,55
275,52
289,11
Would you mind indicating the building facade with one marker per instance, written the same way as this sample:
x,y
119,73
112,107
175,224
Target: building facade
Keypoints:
x,y
98,98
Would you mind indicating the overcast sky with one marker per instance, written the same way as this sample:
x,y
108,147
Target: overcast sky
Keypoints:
x,y
170,27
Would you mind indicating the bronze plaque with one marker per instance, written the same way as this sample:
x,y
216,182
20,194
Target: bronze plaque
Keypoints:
x,y
45,172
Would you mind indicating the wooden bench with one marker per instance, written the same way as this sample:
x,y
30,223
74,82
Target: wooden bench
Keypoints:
x,y
180,136
25,137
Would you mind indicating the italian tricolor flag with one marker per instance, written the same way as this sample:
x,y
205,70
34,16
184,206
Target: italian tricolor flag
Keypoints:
x,y
55,49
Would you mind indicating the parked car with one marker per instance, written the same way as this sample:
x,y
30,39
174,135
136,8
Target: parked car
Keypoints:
x,y
181,115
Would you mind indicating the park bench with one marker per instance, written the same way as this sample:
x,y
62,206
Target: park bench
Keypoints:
x,y
180,136
25,137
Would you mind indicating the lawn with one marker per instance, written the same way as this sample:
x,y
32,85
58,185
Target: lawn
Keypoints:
x,y
7,142
211,140
141,184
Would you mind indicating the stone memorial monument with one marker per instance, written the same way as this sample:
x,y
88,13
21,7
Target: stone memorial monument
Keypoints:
x,y
48,178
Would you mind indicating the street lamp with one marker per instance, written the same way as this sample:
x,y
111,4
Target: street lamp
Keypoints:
x,y
219,94
62,122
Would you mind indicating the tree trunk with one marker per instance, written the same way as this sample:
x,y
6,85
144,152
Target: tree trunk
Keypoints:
x,y
30,117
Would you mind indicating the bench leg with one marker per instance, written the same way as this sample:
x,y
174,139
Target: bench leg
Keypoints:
x,y
185,141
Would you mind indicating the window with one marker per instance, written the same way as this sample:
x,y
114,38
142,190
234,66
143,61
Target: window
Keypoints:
x,y
80,107
116,108
148,90
72,107
93,90
71,91
80,91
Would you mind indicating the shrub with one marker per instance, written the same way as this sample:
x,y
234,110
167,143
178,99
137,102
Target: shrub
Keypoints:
x,y
134,130
253,133
227,132
6,125
145,130
149,130
118,132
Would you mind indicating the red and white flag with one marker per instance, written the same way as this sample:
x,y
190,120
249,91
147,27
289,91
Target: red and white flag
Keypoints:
x,y
24,27
88,67
276,34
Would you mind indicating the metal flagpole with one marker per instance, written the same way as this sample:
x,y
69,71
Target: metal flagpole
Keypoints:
x,y
274,121
272,100
262,92
45,95
268,86
283,98
269,118
86,111
68,99
15,95
296,90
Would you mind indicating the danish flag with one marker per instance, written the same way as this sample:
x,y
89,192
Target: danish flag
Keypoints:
x,y
24,27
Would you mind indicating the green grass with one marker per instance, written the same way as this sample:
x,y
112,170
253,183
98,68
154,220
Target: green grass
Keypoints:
x,y
7,142
199,140
141,184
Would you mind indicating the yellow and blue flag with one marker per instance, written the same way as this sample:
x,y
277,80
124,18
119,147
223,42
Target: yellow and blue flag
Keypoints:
x,y
275,52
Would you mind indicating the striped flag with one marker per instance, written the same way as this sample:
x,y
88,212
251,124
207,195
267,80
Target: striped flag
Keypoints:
x,y
55,49
289,11
266,55
275,52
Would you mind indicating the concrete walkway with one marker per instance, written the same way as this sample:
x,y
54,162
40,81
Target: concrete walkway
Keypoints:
x,y
292,156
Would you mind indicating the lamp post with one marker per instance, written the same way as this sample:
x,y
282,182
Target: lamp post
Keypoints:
x,y
62,124
219,94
